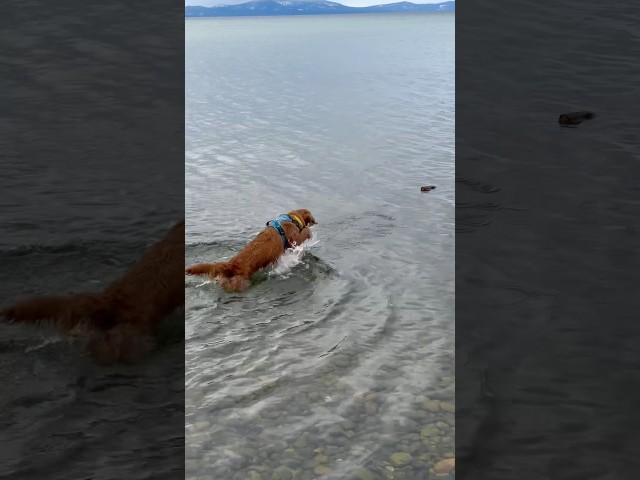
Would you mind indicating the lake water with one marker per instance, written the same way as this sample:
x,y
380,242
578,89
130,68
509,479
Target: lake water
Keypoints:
x,y
88,140
339,362
547,236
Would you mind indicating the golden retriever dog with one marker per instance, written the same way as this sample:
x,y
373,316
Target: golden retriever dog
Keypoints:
x,y
284,231
120,320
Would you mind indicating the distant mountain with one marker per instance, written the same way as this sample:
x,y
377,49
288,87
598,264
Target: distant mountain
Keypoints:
x,y
309,7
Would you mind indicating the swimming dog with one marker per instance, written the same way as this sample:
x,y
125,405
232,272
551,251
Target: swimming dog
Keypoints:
x,y
281,233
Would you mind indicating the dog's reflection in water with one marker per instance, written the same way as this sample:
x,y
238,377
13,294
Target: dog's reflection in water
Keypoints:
x,y
119,323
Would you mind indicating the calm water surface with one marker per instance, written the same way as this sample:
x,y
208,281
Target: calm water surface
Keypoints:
x,y
88,138
339,362
557,308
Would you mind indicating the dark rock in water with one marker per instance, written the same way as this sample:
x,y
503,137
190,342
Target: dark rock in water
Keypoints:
x,y
575,118
427,188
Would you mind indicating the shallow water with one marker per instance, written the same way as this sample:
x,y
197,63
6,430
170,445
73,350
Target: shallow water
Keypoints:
x,y
342,355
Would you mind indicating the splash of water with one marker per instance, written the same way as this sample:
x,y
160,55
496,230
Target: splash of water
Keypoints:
x,y
206,282
292,257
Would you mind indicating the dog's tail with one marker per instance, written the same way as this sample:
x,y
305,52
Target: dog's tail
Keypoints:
x,y
223,269
63,312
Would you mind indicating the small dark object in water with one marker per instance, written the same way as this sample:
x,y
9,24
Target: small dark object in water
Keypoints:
x,y
575,118
427,188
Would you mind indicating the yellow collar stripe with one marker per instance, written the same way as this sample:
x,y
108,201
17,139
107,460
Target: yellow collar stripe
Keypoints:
x,y
297,220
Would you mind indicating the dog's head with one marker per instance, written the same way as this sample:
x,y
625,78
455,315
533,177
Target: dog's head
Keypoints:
x,y
306,216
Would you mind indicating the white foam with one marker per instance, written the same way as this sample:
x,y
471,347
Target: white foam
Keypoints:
x,y
292,257
206,282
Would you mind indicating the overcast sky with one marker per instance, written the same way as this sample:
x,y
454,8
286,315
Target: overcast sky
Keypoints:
x,y
351,3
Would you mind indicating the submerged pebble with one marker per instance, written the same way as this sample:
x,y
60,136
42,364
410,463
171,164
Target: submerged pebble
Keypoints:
x,y
447,407
322,470
444,467
282,473
429,431
431,405
400,459
321,459
362,474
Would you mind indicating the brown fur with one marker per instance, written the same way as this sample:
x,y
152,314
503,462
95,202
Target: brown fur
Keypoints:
x,y
120,319
235,274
